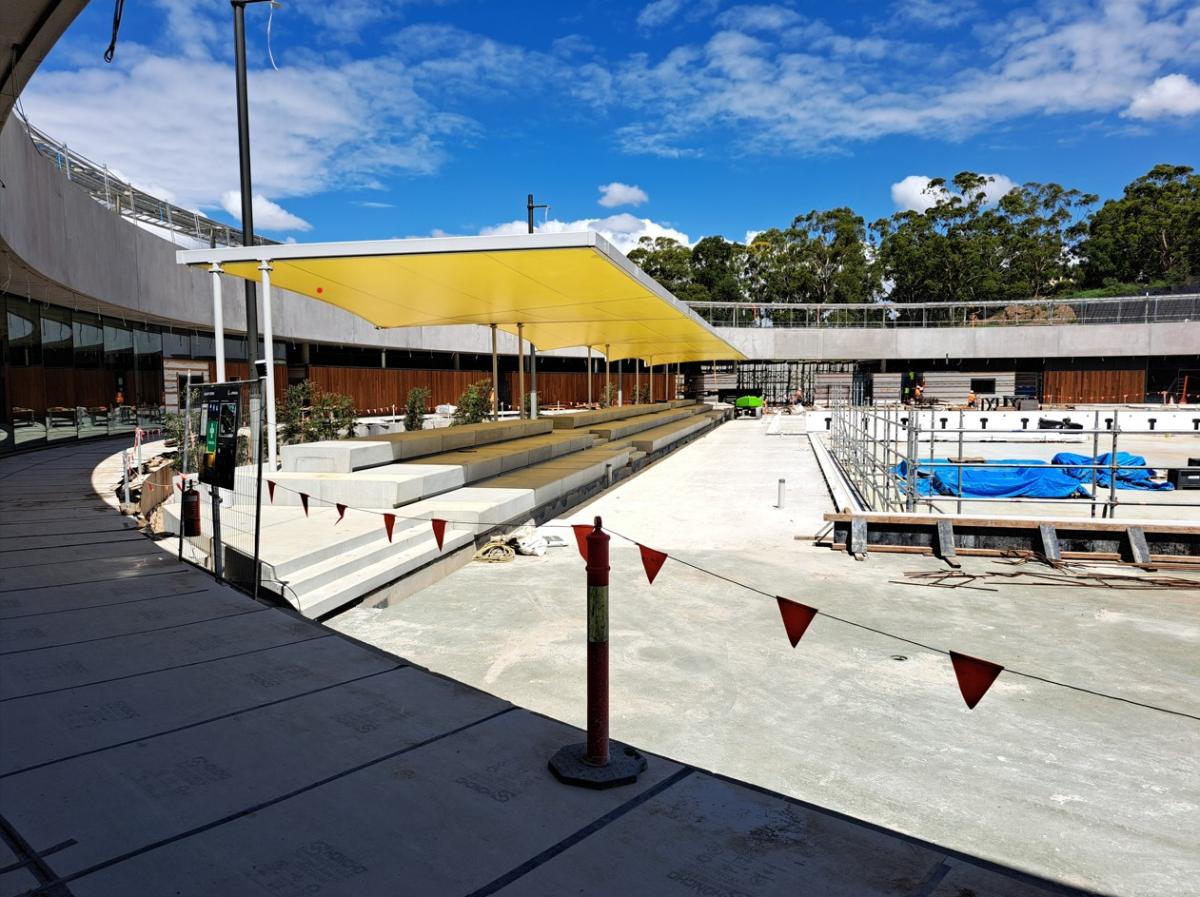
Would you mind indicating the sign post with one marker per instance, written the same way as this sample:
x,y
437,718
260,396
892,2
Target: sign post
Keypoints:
x,y
221,419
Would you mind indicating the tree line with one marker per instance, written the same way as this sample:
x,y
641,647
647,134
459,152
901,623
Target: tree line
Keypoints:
x,y
1036,241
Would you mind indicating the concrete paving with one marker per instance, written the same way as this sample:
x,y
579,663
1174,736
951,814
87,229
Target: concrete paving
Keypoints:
x,y
1074,787
161,733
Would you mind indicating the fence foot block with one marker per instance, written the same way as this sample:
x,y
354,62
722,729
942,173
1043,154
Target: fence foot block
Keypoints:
x,y
570,766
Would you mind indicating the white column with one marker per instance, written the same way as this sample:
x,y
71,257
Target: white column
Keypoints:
x,y
269,352
533,400
218,321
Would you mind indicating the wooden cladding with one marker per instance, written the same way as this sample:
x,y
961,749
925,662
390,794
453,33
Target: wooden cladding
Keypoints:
x,y
555,388
1094,386
377,389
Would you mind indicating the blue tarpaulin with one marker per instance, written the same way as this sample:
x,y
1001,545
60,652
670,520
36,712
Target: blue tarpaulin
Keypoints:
x,y
1031,479
1127,478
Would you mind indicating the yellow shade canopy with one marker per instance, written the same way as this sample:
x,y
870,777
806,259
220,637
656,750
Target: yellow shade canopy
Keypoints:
x,y
565,289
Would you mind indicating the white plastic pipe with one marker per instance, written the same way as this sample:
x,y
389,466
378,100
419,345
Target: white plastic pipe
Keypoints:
x,y
218,321
269,354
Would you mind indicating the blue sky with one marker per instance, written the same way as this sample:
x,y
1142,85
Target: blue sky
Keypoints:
x,y
389,118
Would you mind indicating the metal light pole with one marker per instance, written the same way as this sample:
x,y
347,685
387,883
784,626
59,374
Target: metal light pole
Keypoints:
x,y
243,120
533,393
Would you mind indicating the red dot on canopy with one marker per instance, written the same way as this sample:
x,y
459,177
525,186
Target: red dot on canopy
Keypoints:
x,y
320,289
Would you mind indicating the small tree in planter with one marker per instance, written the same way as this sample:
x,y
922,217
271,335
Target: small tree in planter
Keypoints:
x,y
309,414
643,395
473,405
609,398
175,425
415,407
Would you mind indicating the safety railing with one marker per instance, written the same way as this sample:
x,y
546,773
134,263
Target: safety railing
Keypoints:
x,y
1171,308
128,201
885,453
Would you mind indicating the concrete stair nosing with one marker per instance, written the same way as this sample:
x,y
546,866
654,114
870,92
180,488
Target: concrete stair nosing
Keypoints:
x,y
333,595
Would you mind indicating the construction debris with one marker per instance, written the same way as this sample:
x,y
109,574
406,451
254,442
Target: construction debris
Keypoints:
x,y
958,579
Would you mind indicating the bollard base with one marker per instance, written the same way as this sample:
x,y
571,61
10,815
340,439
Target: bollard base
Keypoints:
x,y
571,768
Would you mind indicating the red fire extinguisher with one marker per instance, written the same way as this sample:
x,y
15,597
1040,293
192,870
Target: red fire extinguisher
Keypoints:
x,y
191,510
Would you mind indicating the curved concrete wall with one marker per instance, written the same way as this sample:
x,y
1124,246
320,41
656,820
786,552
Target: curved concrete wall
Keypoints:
x,y
88,255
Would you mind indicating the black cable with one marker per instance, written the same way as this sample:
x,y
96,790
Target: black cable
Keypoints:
x,y
118,10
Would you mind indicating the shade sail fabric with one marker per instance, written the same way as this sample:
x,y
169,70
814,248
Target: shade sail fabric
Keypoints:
x,y
566,289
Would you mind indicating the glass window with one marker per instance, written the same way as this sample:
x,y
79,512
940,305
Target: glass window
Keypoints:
x,y
147,344
176,345
94,385
58,363
24,372
6,430
120,369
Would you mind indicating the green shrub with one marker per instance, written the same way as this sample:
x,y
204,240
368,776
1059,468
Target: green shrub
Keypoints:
x,y
473,405
309,414
415,407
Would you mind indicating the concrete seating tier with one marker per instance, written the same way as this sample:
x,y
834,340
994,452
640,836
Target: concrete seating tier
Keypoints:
x,y
585,419
551,480
394,485
486,461
650,441
346,455
629,426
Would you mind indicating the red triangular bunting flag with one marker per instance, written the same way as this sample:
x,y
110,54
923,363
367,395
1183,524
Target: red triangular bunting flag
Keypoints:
x,y
389,521
796,617
652,560
270,490
180,485
439,531
975,676
341,509
581,534
304,501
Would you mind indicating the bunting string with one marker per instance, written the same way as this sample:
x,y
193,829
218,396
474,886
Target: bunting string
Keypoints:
x,y
975,675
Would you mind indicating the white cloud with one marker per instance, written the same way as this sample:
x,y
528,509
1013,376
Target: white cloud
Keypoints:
x,y
372,204
658,12
811,88
759,18
1170,95
622,230
618,194
914,194
267,215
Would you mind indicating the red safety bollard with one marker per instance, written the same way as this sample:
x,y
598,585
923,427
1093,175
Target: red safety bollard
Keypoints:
x,y
595,764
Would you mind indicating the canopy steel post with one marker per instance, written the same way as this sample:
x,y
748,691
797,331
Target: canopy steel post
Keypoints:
x,y
495,379
269,358
218,321
533,398
620,383
650,374
637,380
607,375
521,368
589,375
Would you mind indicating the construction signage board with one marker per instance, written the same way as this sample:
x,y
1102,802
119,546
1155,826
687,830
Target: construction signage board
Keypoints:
x,y
220,420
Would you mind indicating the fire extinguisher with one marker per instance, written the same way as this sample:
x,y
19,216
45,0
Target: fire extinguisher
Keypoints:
x,y
191,510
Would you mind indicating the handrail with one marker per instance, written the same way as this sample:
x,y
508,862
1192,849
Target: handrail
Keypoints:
x,y
1166,308
128,201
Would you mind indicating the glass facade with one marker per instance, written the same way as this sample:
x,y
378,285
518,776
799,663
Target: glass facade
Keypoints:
x,y
68,374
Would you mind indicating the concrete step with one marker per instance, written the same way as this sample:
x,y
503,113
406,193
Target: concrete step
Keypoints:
x,y
553,479
587,419
388,568
628,427
346,563
361,453
654,440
